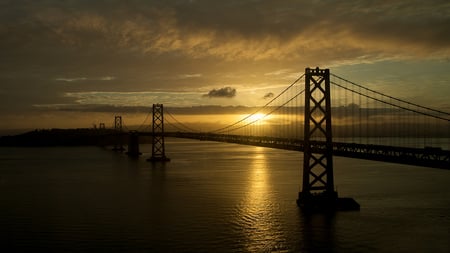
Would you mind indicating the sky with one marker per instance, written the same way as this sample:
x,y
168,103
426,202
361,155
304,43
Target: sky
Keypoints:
x,y
64,62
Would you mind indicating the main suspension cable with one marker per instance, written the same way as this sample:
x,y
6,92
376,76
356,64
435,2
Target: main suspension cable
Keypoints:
x,y
259,109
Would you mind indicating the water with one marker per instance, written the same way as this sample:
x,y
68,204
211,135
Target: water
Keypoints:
x,y
212,197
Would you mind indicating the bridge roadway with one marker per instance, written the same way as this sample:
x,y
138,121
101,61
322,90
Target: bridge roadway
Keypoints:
x,y
428,157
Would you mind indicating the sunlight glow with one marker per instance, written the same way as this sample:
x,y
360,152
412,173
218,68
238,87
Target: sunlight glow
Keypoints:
x,y
256,211
259,118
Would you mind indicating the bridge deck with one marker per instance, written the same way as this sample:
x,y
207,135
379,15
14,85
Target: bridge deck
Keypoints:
x,y
428,157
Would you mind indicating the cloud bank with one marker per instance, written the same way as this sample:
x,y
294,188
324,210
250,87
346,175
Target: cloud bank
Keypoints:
x,y
235,30
113,52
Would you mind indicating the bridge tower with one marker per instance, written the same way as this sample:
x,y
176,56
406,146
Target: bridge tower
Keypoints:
x,y
158,146
318,182
118,146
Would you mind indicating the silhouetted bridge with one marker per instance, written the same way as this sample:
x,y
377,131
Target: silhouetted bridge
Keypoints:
x,y
305,111
370,113
428,156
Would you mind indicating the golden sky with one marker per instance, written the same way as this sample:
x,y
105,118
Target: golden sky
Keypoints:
x,y
82,56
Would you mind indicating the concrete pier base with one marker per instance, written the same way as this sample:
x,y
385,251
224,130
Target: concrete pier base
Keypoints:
x,y
158,159
325,202
133,154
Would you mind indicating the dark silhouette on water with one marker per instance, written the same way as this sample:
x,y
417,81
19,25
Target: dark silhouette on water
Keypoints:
x,y
158,144
133,144
118,145
318,193
62,137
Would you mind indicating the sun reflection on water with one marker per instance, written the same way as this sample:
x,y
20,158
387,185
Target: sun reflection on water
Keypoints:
x,y
258,212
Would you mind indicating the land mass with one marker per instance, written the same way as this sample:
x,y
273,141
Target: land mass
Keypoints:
x,y
61,137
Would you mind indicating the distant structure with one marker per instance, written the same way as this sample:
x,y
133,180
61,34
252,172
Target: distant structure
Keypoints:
x,y
318,192
133,144
158,145
101,126
118,146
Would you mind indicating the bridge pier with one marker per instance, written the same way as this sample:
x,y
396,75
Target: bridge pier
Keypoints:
x,y
133,144
318,194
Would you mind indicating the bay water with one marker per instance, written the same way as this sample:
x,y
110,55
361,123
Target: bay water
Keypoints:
x,y
211,197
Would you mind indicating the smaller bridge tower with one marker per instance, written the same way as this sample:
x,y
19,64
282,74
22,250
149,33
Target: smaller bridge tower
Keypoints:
x,y
118,145
158,145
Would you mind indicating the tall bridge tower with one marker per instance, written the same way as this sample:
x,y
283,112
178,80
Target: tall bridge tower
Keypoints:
x,y
158,146
318,182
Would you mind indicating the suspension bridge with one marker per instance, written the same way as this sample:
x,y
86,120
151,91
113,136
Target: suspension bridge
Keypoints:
x,y
322,115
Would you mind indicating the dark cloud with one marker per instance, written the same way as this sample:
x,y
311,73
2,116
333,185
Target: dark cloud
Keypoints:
x,y
226,92
231,30
268,95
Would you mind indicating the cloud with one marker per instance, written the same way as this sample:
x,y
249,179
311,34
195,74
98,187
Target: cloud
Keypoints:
x,y
329,31
106,78
185,76
63,79
77,79
202,109
226,92
279,72
144,98
268,95
257,46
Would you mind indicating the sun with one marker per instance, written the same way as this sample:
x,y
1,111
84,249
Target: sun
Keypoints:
x,y
256,118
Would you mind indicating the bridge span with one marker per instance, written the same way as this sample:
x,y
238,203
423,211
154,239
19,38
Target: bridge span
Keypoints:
x,y
427,157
